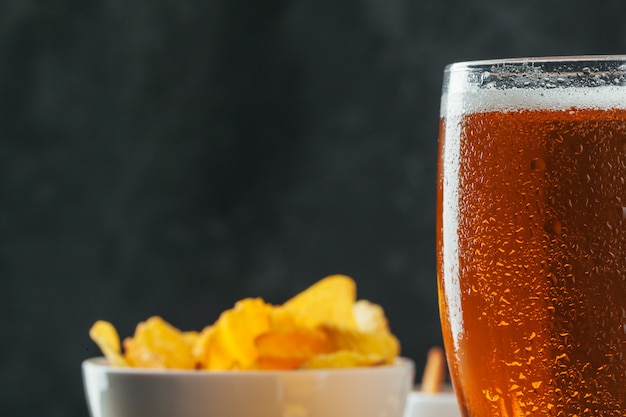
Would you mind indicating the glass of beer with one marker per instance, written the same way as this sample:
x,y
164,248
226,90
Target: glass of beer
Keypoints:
x,y
531,235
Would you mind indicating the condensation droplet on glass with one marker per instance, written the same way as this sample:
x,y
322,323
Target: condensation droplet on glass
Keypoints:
x,y
491,396
553,227
577,149
552,278
537,164
484,77
562,356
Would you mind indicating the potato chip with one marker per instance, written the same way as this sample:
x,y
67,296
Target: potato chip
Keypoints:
x,y
290,349
301,343
283,319
200,347
278,364
344,359
231,342
191,337
370,317
105,336
383,344
158,344
329,300
321,327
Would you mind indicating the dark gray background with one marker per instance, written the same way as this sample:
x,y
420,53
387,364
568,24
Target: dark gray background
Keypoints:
x,y
171,157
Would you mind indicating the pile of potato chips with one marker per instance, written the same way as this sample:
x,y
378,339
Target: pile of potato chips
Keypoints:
x,y
322,327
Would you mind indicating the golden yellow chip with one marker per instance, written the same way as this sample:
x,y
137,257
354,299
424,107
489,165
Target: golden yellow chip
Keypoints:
x,y
279,364
289,349
200,347
105,336
383,344
300,343
282,319
231,342
321,327
370,317
191,337
344,359
329,300
158,344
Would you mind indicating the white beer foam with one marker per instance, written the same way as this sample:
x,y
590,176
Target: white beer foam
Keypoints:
x,y
459,101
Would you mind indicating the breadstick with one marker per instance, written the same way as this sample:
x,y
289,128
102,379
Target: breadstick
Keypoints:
x,y
434,372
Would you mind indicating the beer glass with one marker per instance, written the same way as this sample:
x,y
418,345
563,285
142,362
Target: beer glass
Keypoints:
x,y
531,235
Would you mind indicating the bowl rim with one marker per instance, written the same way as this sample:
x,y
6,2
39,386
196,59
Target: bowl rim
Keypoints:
x,y
436,397
101,363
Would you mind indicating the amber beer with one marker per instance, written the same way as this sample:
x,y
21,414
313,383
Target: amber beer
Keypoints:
x,y
531,246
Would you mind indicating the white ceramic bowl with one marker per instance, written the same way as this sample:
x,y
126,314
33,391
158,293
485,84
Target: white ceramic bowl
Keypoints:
x,y
364,392
441,404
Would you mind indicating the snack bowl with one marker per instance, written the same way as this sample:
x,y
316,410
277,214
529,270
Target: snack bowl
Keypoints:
x,y
380,391
439,404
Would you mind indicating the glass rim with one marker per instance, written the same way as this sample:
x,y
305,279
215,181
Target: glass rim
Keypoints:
x,y
532,61
589,81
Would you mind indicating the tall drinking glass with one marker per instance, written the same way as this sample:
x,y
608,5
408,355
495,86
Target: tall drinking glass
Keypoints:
x,y
531,235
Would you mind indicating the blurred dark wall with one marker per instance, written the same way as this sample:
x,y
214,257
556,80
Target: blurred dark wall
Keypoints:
x,y
171,157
